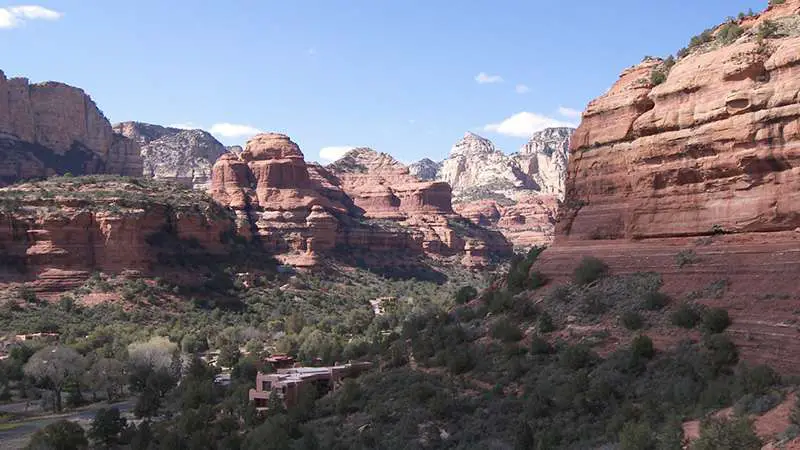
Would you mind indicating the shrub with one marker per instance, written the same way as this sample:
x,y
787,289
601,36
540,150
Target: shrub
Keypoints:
x,y
767,29
757,404
540,346
642,347
685,316
60,435
465,294
729,32
632,320
722,351
589,270
685,257
654,301
545,323
576,357
776,2
506,331
716,320
636,436
657,77
718,434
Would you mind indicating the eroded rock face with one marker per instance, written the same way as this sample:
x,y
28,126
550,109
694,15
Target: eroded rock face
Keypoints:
x,y
706,162
425,169
58,232
52,128
367,200
185,156
501,191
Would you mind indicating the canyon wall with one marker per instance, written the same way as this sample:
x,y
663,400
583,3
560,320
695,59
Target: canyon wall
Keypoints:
x,y
57,232
52,128
704,164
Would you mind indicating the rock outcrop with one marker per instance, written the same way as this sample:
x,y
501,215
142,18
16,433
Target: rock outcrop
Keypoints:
x,y
366,201
56,233
185,156
516,194
425,169
52,128
705,163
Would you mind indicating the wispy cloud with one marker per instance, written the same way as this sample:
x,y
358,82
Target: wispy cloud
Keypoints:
x,y
522,89
17,16
334,152
569,112
233,130
485,78
524,124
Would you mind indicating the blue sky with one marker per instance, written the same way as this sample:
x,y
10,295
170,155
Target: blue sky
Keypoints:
x,y
407,77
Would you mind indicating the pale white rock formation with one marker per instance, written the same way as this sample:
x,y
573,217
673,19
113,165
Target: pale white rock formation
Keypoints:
x,y
186,156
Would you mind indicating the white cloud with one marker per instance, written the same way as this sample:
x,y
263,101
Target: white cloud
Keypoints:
x,y
233,130
522,89
333,153
184,126
524,124
569,112
485,78
16,16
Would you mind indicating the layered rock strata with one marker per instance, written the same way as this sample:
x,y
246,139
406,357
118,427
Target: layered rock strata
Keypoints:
x,y
706,162
52,128
366,200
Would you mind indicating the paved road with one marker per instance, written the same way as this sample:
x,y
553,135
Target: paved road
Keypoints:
x,y
17,437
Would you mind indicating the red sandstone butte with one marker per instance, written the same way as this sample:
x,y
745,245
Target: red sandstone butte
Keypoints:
x,y
708,161
301,210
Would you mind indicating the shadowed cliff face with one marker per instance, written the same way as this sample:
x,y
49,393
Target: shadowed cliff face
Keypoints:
x,y
52,128
707,161
365,201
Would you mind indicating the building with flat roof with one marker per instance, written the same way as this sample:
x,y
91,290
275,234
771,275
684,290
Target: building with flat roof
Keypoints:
x,y
287,383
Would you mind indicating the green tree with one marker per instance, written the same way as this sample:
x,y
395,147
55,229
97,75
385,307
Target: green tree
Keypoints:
x,y
61,435
106,427
465,294
54,367
636,436
107,375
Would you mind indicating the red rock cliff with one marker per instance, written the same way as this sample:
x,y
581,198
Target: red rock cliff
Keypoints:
x,y
707,161
49,128
369,202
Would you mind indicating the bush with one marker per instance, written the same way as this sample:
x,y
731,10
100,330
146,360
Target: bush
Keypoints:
x,y
722,351
720,434
576,357
716,320
767,30
685,257
632,320
545,323
685,316
642,347
540,346
63,434
506,331
657,77
636,436
654,301
757,404
589,270
465,294
729,32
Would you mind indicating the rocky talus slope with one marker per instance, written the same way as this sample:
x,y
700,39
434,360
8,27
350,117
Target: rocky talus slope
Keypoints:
x,y
516,194
185,156
365,201
52,128
703,165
